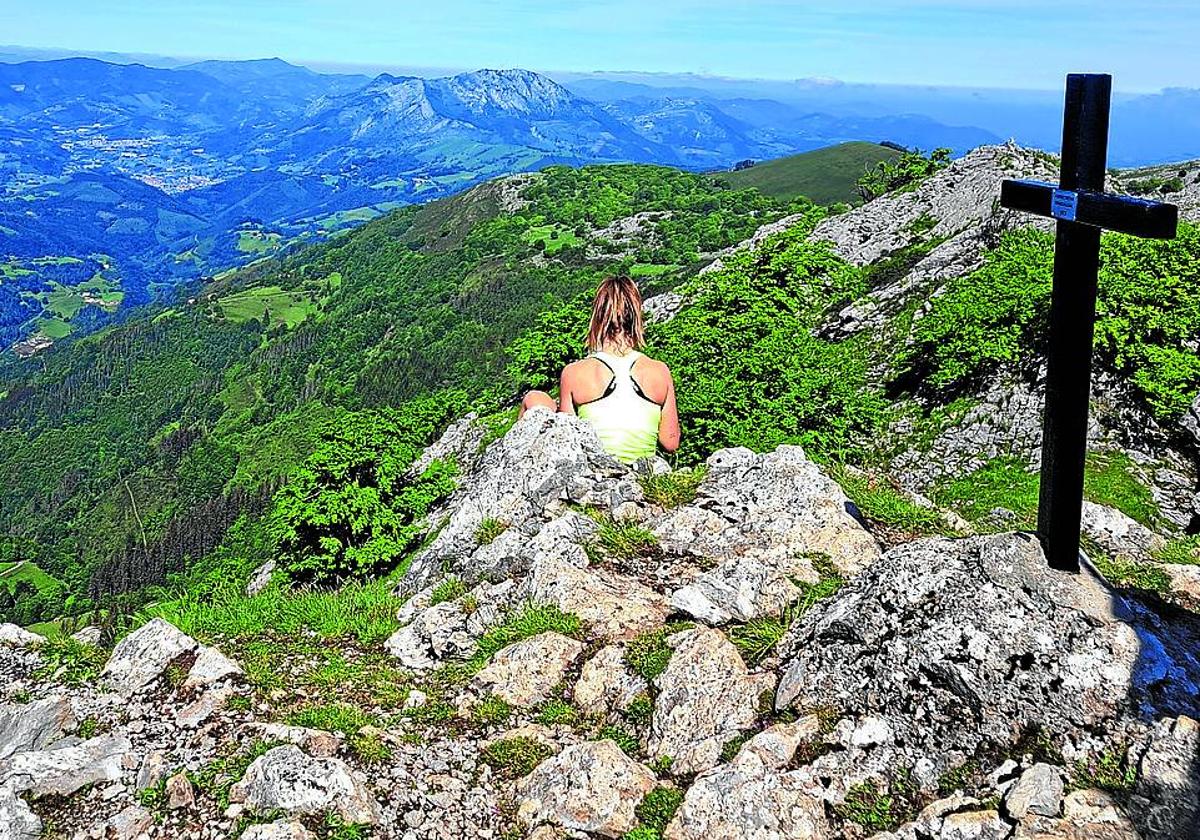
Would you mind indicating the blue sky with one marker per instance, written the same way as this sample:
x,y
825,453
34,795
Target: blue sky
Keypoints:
x,y
995,43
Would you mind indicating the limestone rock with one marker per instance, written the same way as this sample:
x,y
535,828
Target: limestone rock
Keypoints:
x,y
1167,794
525,673
706,697
17,820
765,516
546,458
91,635
316,742
261,577
179,792
154,769
750,798
287,780
1118,534
940,626
18,637
1039,790
34,726
63,771
1185,582
606,683
280,830
211,666
662,308
434,634
1087,815
132,823
591,787
142,656
613,606
460,444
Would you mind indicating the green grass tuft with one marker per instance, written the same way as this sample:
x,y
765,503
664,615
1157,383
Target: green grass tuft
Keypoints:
x,y
554,712
624,540
488,530
648,654
1184,551
530,621
516,757
623,738
492,711
449,589
1111,480
659,806
672,489
69,661
882,504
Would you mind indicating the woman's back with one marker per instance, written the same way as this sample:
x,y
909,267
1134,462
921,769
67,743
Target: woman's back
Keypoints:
x,y
626,418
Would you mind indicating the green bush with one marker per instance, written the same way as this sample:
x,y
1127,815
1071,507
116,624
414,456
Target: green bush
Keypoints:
x,y
902,173
659,806
623,738
353,510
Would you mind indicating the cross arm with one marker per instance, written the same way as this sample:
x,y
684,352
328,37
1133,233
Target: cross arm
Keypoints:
x,y
1148,219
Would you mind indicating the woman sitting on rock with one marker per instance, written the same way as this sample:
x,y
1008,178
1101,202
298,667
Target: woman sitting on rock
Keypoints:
x,y
628,397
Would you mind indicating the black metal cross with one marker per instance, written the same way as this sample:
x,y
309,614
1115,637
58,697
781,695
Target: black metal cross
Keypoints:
x,y
1083,210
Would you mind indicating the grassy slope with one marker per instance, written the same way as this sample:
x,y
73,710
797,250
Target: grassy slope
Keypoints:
x,y
826,176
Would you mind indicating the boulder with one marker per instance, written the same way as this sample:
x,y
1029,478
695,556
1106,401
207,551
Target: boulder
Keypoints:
x,y
142,656
34,726
1087,815
434,634
763,520
1184,583
287,780
606,683
63,771
981,624
1118,534
279,830
1039,790
17,820
179,792
546,458
614,607
706,697
316,742
18,637
751,797
131,823
91,635
261,577
211,666
1167,793
525,673
592,787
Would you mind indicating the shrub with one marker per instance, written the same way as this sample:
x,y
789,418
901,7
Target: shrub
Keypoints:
x,y
904,172
69,661
640,711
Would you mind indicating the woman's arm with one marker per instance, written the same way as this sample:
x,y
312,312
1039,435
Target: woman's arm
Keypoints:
x,y
566,400
668,424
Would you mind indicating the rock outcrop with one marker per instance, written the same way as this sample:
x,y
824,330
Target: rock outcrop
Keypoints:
x,y
287,780
706,698
952,646
592,787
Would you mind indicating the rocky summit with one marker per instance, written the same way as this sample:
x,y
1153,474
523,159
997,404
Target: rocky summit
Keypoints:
x,y
583,656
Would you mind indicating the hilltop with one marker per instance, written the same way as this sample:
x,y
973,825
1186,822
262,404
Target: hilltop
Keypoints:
x,y
351,588
826,176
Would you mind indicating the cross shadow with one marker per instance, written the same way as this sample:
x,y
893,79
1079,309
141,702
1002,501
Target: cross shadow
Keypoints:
x,y
1165,684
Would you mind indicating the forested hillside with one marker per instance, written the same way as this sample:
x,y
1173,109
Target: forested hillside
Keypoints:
x,y
132,454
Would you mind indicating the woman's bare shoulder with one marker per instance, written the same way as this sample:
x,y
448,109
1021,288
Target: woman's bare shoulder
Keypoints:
x,y
653,367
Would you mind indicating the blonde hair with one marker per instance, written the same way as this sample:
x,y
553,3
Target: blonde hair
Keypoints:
x,y
617,316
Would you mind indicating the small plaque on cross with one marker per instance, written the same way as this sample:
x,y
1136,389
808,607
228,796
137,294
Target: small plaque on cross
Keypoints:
x,y
1083,210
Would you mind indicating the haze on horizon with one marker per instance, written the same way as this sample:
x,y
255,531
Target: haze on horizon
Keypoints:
x,y
1147,45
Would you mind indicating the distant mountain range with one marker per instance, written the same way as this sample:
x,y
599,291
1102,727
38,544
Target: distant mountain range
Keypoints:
x,y
165,174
